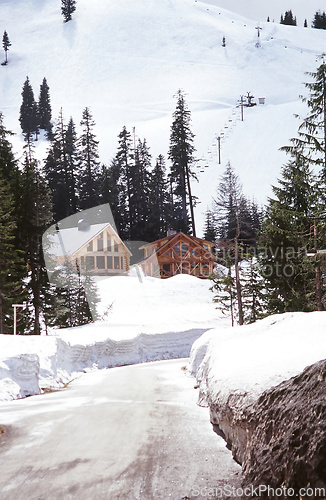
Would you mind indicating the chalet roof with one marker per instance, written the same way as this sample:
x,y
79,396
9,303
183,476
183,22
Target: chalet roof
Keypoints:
x,y
68,241
168,239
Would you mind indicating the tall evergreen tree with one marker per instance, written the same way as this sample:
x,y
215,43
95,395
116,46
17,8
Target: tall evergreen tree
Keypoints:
x,y
138,208
159,205
113,192
286,231
311,143
28,115
34,215
60,168
181,155
124,163
89,170
44,108
11,264
210,233
7,160
6,44
68,7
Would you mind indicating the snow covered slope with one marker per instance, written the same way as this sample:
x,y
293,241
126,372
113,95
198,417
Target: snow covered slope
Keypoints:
x,y
126,59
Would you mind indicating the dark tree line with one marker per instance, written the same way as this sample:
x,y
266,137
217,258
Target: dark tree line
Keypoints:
x,y
25,214
146,200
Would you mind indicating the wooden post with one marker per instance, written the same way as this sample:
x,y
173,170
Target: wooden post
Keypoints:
x,y
15,315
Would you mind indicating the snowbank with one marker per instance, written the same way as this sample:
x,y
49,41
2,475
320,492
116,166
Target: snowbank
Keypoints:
x,y
235,366
148,320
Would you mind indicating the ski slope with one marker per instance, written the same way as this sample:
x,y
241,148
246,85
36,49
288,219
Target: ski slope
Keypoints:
x,y
126,60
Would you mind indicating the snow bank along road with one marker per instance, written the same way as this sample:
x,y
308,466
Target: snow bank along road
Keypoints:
x,y
131,433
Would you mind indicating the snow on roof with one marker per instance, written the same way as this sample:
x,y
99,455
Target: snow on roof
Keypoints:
x,y
68,241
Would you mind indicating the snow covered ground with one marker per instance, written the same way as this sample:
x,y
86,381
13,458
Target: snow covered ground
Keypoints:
x,y
149,319
126,60
153,319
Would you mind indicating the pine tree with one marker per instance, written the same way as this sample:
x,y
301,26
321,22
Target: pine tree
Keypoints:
x,y
33,217
89,170
113,192
319,21
305,24
28,115
311,143
225,290
75,303
44,108
139,185
6,44
288,19
181,155
230,226
60,168
124,162
7,160
11,264
71,153
285,237
159,204
68,7
210,233
253,290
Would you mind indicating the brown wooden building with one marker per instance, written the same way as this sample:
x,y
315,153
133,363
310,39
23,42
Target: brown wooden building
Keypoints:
x,y
178,254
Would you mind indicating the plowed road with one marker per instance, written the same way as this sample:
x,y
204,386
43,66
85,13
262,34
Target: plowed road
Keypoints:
x,y
129,433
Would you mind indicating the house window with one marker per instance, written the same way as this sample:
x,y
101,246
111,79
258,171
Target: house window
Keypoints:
x,y
116,262
89,263
109,262
205,268
121,262
100,262
100,243
167,268
90,246
184,248
116,246
109,242
176,248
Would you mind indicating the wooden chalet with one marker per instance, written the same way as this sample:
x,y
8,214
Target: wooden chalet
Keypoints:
x,y
95,248
178,254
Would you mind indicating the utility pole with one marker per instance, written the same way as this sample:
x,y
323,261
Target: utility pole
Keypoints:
x,y
219,149
241,106
258,28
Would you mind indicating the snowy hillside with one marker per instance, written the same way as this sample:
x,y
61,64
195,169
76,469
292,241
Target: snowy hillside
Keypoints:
x,y
126,60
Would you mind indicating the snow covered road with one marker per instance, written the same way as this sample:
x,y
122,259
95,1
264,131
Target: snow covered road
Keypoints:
x,y
130,433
